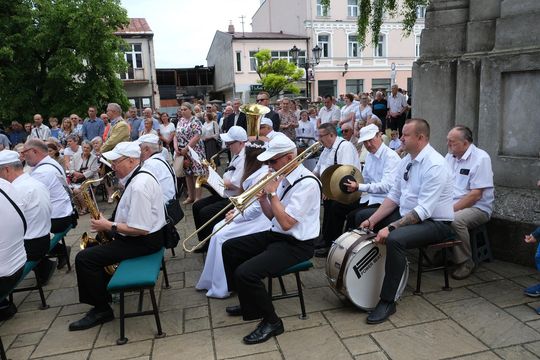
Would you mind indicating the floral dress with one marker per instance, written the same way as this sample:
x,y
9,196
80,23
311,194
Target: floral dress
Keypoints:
x,y
288,118
185,131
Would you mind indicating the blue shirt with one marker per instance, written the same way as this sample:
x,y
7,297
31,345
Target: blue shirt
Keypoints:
x,y
135,123
17,137
92,128
155,125
55,133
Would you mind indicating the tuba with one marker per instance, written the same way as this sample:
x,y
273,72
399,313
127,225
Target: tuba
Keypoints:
x,y
254,114
101,237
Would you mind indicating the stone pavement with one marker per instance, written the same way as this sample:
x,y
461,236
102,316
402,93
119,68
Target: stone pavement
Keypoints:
x,y
484,317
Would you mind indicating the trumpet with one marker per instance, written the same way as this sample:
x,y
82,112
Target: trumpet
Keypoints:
x,y
248,197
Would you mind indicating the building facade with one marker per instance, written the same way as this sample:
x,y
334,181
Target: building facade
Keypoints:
x,y
140,81
231,54
334,29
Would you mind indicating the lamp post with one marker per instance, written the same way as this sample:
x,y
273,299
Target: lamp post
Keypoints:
x,y
346,67
316,56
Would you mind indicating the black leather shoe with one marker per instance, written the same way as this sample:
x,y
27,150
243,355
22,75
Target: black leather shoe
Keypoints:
x,y
263,332
62,259
235,310
322,252
46,271
91,319
7,310
382,312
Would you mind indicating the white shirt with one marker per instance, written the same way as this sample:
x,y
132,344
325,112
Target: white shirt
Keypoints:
x,y
12,252
54,179
473,171
329,115
346,155
363,114
69,152
235,176
163,174
428,190
348,109
43,132
302,202
394,144
379,175
210,129
397,103
141,205
306,129
35,205
166,131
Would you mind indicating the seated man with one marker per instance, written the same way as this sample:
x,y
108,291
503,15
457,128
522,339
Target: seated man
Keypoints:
x,y
36,207
137,230
473,193
292,202
417,211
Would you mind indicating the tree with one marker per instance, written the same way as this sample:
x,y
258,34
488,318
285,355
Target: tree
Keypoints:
x,y
277,75
371,14
59,56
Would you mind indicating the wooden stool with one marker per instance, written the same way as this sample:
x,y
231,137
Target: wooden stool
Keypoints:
x,y
430,267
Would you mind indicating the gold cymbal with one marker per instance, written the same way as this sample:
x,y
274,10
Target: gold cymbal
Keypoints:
x,y
333,180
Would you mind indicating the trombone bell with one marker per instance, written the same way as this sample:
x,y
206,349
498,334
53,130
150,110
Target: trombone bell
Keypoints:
x,y
254,114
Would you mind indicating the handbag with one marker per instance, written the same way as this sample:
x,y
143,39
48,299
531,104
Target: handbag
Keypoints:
x,y
174,211
178,165
171,238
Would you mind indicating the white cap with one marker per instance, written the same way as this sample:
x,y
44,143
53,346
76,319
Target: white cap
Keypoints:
x,y
278,145
266,121
149,138
235,133
368,132
126,148
9,157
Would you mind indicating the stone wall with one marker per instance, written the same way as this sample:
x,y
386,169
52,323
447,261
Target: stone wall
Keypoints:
x,y
480,66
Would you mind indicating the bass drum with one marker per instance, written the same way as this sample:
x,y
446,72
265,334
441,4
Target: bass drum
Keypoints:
x,y
364,271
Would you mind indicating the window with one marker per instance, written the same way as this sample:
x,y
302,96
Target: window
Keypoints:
x,y
252,61
417,45
380,47
238,61
354,86
353,46
380,84
133,56
284,54
420,11
323,41
352,8
321,9
327,87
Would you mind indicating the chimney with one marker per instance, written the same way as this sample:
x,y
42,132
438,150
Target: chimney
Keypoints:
x,y
231,28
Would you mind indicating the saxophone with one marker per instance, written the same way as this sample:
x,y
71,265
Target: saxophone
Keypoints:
x,y
101,237
203,179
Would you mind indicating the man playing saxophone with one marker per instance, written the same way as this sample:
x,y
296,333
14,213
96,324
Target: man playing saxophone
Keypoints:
x,y
136,229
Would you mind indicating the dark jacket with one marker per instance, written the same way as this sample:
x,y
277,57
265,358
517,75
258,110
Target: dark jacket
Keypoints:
x,y
229,122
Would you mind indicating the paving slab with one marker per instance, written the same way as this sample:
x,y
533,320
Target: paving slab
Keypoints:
x,y
29,321
509,270
523,313
198,324
181,265
62,297
228,341
435,340
510,296
492,325
361,345
349,322
414,310
486,355
292,323
315,343
181,298
379,355
515,353
126,351
442,297
21,353
533,347
196,312
273,355
27,339
318,299
77,355
194,346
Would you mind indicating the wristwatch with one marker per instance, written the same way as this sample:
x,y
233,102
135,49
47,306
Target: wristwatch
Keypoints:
x,y
271,195
391,228
114,228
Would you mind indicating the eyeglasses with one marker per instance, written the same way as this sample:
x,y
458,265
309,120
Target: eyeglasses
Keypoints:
x,y
115,163
273,161
345,130
406,175
323,135
26,150
259,100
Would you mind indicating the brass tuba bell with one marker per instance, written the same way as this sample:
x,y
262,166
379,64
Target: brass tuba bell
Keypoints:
x,y
254,114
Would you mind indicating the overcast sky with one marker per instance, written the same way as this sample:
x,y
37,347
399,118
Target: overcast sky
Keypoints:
x,y
184,29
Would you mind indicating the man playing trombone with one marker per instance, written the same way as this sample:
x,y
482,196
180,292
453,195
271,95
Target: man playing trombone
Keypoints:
x,y
292,203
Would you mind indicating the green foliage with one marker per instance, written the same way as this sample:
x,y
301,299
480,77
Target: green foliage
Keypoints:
x,y
277,75
59,56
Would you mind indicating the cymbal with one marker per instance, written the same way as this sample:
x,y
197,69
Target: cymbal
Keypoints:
x,y
333,180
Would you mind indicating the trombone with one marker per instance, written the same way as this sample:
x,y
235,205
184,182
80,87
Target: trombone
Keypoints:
x,y
248,197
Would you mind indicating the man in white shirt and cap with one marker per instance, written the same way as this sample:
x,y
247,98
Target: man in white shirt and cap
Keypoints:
x,y
292,203
136,229
36,207
337,151
205,209
266,131
417,211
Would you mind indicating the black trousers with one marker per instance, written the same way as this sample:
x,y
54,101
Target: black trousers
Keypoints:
x,y
60,224
335,214
403,238
92,279
7,283
36,249
356,217
249,259
204,210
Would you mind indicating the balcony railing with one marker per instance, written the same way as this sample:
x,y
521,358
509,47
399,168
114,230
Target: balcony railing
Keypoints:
x,y
133,74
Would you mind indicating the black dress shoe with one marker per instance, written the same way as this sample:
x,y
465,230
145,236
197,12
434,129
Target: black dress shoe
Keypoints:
x,y
45,271
322,252
263,332
382,311
91,319
63,259
235,310
7,310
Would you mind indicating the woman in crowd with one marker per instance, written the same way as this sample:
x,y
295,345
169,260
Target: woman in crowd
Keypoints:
x,y
210,135
148,127
305,132
348,111
166,131
83,166
188,133
364,111
289,121
251,220
54,151
72,148
380,107
65,131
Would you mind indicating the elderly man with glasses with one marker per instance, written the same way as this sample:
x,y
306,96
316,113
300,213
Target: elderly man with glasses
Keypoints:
x,y
263,98
417,211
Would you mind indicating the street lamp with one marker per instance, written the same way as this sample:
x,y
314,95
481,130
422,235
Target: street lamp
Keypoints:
x,y
346,67
316,56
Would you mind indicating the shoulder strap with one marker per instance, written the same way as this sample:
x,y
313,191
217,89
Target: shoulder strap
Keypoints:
x,y
18,209
337,149
173,176
54,166
137,172
297,181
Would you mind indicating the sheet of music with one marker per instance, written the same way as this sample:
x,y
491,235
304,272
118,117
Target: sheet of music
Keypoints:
x,y
194,156
216,182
